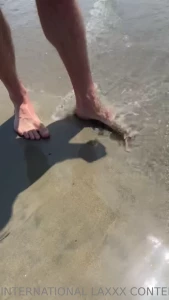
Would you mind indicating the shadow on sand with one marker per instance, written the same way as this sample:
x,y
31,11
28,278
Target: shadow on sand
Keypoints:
x,y
23,162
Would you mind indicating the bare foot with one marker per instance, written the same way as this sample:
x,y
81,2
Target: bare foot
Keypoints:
x,y
94,110
27,123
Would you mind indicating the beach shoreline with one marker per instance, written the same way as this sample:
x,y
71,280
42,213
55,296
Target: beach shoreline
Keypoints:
x,y
78,210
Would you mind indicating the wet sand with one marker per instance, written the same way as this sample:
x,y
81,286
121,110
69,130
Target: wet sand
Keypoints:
x,y
77,210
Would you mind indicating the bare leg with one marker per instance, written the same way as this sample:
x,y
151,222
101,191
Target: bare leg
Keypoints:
x,y
63,26
26,122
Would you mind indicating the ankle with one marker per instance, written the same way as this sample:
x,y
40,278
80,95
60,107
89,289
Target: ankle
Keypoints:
x,y
87,98
18,96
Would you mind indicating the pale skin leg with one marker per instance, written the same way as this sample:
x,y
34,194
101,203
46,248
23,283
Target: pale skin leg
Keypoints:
x,y
63,26
26,122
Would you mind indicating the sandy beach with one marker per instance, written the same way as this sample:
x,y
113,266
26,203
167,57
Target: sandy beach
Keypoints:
x,y
78,213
